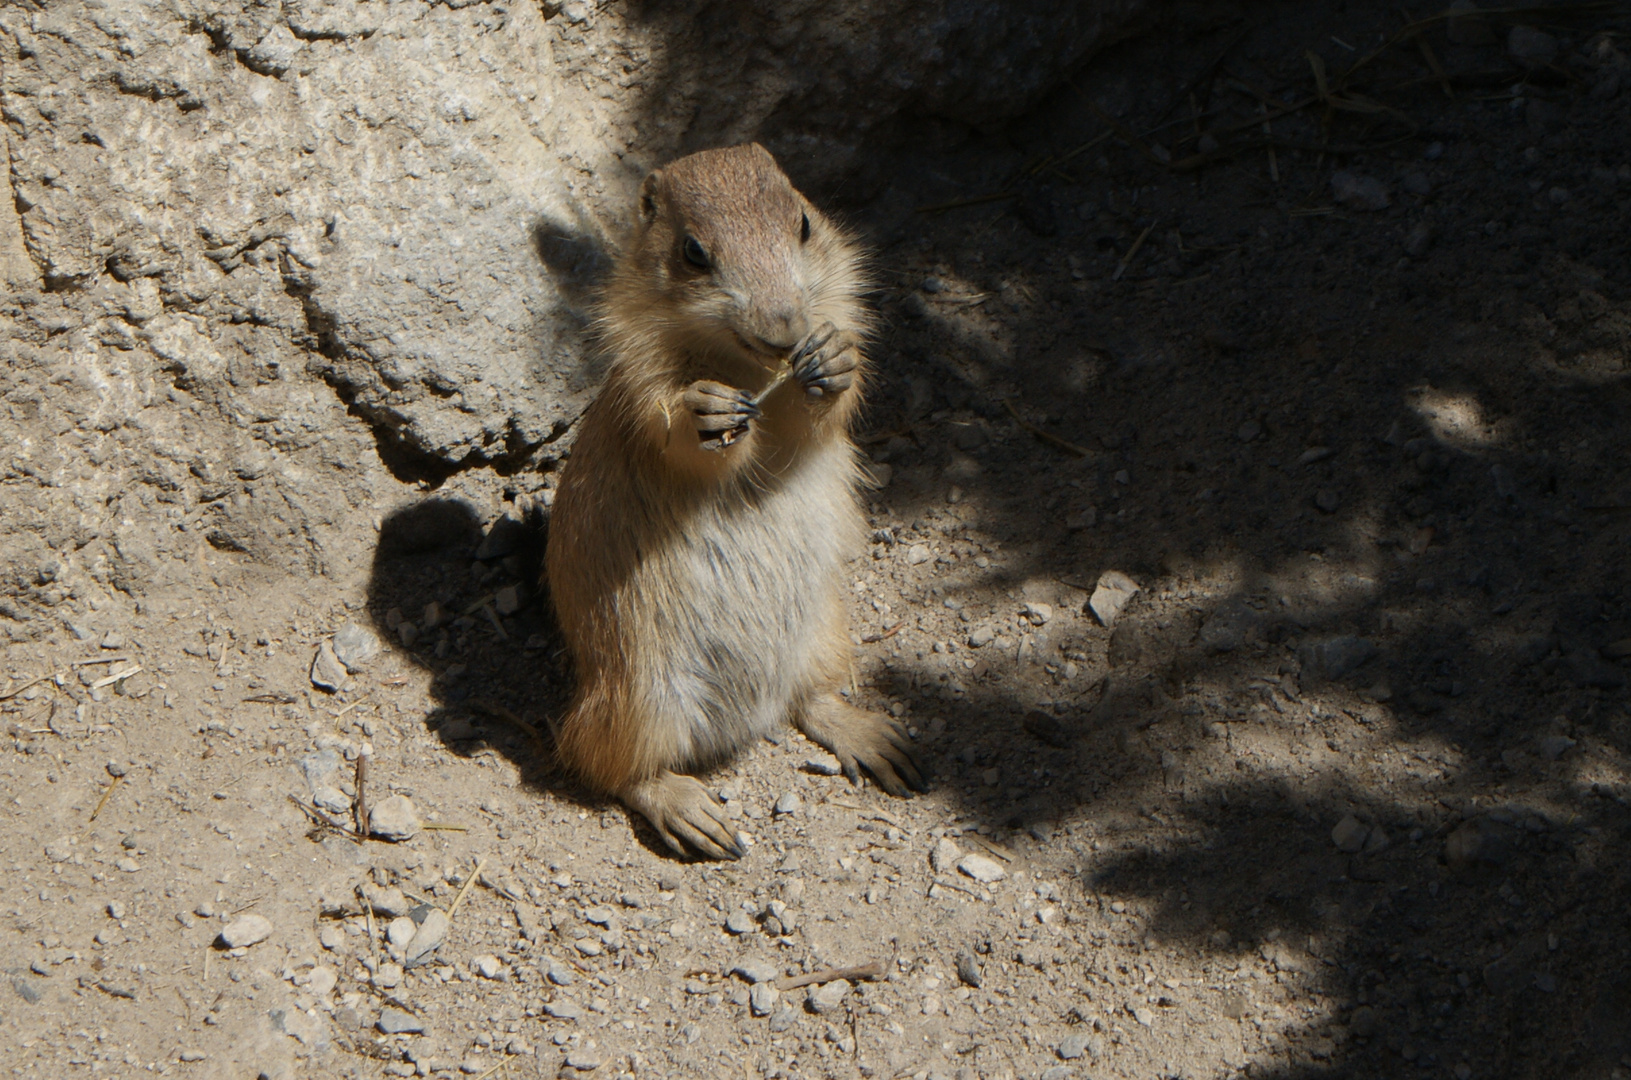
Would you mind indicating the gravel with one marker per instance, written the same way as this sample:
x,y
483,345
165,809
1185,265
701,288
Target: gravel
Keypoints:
x,y
246,930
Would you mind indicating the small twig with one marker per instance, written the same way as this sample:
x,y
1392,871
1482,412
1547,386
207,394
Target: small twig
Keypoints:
x,y
368,913
872,639
478,605
109,680
948,883
995,196
492,617
493,708
1132,253
360,806
8,695
1046,436
106,794
445,828
99,660
469,881
990,845
501,1065
874,970
246,907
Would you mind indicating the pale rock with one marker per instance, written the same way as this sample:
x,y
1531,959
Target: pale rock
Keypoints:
x,y
394,818
981,869
1110,596
246,930
828,997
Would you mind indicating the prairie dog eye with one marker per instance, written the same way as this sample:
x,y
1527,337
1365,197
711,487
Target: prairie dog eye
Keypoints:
x,y
804,229
694,253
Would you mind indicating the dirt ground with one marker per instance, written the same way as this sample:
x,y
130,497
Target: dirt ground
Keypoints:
x,y
1328,357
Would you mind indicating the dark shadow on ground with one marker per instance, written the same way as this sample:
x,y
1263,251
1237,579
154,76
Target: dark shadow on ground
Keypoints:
x,y
1378,514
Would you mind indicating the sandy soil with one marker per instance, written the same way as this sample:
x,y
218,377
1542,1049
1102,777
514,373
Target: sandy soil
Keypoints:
x,y
1342,791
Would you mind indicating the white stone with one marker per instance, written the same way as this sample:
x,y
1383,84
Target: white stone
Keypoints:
x,y
1110,596
394,819
981,869
246,930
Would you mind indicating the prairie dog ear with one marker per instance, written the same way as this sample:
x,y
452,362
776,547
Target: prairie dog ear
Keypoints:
x,y
648,197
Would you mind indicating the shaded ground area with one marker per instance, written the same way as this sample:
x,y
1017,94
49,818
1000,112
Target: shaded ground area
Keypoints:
x,y
1341,792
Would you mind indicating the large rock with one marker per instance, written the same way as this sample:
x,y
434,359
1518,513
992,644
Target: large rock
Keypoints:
x,y
410,197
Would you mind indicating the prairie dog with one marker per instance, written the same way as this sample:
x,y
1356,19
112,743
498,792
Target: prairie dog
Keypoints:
x,y
702,523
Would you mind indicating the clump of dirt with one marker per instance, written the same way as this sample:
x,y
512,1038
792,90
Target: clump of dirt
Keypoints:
x,y
1248,558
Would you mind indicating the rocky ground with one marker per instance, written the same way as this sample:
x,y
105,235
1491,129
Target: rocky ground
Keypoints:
x,y
1249,561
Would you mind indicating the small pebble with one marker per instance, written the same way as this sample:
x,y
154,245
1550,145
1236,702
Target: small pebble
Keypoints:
x,y
1074,1045
507,601
1111,595
1530,47
756,971
355,645
943,858
1359,191
321,980
824,765
981,869
558,973
327,673
1349,834
740,922
191,1054
789,803
399,932
431,933
1327,501
564,1009
246,930
980,637
584,1059
488,966
397,1022
968,969
116,910
762,998
827,998
394,818
918,554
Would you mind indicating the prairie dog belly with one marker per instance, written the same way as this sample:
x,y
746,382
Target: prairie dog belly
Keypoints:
x,y
744,598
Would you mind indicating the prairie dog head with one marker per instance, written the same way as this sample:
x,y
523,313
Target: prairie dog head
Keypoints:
x,y
729,258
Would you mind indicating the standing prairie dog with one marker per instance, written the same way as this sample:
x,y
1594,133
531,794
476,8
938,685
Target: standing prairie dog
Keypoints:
x,y
701,527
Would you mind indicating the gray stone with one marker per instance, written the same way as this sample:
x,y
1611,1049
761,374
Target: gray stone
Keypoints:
x,y
918,554
740,922
394,818
331,799
1555,746
388,902
981,636
1075,1044
1110,596
789,803
783,1020
320,766
430,935
1335,657
564,1009
397,1022
1479,840
558,973
827,998
985,871
327,673
762,998
488,966
585,1059
968,969
246,930
944,855
1327,501
823,765
1349,834
756,971
1359,191
1530,47
507,601
355,645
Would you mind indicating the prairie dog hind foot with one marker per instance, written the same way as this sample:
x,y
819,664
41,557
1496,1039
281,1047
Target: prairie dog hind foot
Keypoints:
x,y
688,818
864,740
